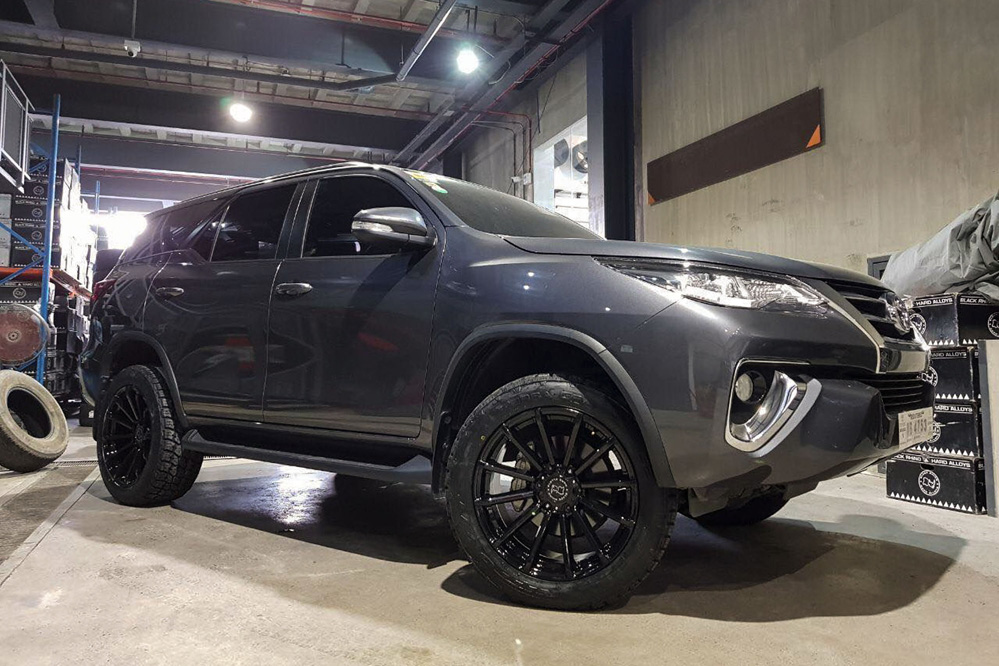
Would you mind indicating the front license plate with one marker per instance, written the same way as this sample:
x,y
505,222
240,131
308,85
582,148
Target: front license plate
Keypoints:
x,y
914,427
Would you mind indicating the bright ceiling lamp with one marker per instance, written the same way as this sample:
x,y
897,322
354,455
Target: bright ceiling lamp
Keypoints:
x,y
468,60
240,112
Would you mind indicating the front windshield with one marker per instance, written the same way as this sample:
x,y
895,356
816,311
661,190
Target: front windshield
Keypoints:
x,y
497,213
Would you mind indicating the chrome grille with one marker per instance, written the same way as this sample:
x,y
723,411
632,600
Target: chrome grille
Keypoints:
x,y
869,301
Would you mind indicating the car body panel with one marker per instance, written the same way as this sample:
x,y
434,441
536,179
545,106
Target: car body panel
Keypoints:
x,y
400,329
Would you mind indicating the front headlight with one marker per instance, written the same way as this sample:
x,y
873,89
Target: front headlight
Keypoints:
x,y
733,289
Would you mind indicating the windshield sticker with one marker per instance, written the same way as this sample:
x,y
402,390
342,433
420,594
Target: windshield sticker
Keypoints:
x,y
428,180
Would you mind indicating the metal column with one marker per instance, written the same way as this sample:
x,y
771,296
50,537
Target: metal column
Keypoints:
x,y
49,222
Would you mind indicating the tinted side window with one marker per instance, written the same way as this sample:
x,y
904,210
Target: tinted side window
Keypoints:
x,y
336,202
183,225
252,225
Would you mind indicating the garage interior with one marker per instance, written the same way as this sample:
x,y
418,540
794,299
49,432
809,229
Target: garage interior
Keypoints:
x,y
831,131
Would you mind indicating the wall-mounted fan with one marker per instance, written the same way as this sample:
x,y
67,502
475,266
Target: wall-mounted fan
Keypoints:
x,y
580,157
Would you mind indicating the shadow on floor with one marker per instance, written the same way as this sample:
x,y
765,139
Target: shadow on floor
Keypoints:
x,y
392,522
779,570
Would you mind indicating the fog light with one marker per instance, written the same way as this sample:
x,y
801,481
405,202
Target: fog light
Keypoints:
x,y
750,387
775,407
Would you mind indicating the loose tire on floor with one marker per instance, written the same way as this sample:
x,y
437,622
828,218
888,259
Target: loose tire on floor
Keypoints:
x,y
138,445
573,525
33,430
752,512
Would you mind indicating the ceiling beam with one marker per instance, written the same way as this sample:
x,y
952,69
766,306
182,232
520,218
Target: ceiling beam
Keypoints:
x,y
188,68
478,86
42,13
10,28
580,16
206,112
254,33
442,15
359,15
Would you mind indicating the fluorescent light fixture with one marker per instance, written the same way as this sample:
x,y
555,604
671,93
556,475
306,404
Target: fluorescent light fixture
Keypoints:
x,y
240,112
468,60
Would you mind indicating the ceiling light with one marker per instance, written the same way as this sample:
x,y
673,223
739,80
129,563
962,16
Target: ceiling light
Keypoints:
x,y
240,112
468,60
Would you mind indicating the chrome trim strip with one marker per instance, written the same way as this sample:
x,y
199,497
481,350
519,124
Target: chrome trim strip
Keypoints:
x,y
774,411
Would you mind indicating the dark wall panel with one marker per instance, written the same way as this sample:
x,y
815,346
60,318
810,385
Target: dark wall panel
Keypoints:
x,y
779,133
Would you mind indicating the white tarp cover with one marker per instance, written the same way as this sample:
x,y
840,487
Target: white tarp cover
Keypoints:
x,y
963,256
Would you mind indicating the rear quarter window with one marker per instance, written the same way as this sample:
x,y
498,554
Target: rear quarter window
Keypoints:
x,y
176,228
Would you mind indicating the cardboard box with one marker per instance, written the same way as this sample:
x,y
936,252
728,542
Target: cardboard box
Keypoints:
x,y
957,431
954,373
22,255
20,292
956,484
950,320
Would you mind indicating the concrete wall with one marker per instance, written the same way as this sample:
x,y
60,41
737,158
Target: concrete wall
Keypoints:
x,y
555,104
911,118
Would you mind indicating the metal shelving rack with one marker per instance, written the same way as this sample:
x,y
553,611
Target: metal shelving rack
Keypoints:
x,y
44,273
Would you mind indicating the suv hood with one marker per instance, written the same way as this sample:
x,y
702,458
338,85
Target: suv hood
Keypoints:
x,y
730,258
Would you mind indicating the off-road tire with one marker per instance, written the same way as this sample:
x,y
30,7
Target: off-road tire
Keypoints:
x,y
169,470
752,512
656,511
33,430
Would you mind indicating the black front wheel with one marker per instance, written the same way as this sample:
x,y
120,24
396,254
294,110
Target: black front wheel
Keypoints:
x,y
138,446
551,495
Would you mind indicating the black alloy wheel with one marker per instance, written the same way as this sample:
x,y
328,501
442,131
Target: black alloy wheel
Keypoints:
x,y
127,436
555,492
139,450
551,494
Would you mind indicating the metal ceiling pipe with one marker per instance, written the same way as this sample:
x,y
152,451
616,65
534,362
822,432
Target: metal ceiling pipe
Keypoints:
x,y
436,23
579,19
13,29
479,85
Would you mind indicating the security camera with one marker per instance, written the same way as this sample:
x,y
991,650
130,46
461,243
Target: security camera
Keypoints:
x,y
132,48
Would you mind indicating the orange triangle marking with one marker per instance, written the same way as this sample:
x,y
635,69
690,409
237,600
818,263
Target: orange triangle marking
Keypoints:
x,y
652,200
816,137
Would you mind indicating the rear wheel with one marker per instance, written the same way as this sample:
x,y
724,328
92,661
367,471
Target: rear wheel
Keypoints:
x,y
138,446
551,495
754,511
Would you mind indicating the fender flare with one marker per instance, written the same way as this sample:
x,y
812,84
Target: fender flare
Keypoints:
x,y
597,351
171,379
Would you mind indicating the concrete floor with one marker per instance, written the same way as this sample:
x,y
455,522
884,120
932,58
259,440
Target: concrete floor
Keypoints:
x,y
268,564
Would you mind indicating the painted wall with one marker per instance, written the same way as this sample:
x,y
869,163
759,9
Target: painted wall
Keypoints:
x,y
911,118
556,103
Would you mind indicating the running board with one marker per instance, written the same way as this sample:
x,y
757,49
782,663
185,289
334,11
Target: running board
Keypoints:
x,y
416,470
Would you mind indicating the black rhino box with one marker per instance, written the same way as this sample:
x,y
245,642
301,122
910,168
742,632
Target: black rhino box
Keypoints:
x,y
957,431
954,373
957,484
948,320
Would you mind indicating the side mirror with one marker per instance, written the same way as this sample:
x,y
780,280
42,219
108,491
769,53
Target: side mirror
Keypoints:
x,y
392,226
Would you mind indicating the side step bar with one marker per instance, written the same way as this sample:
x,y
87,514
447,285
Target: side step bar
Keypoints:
x,y
416,470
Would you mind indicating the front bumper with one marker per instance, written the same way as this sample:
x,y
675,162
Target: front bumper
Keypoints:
x,y
684,362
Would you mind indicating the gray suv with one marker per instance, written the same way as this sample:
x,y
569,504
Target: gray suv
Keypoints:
x,y
565,395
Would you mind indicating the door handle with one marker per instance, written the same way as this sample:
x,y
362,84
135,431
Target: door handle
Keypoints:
x,y
292,289
169,292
